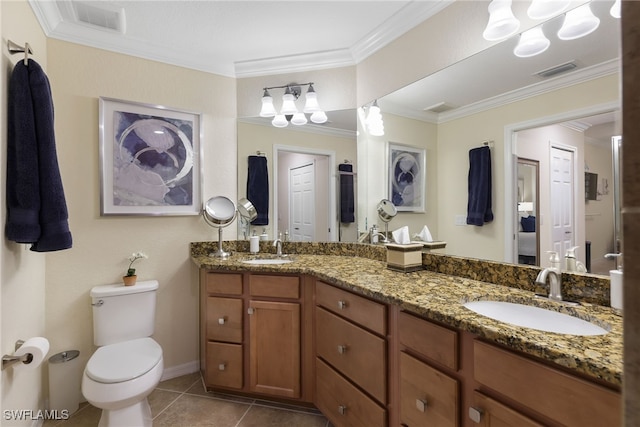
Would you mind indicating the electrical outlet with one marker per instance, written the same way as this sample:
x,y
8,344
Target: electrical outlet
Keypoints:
x,y
460,220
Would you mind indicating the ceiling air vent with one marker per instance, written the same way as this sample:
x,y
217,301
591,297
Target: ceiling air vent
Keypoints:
x,y
558,69
100,15
440,107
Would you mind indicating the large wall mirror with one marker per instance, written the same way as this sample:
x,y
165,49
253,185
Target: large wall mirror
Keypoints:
x,y
563,101
494,98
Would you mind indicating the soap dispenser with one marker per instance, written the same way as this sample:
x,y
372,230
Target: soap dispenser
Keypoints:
x,y
554,260
570,259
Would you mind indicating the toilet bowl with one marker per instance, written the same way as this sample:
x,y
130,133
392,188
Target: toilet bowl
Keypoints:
x,y
128,363
119,377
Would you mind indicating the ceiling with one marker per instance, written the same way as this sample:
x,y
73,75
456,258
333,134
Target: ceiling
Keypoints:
x,y
253,38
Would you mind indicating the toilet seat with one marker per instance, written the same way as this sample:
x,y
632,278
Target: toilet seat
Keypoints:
x,y
124,361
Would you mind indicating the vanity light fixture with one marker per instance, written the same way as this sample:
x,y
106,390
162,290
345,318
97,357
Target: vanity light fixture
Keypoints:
x,y
502,23
289,111
532,42
543,9
374,122
615,9
578,23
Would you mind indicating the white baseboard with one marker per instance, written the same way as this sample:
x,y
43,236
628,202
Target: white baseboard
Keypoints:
x,y
177,371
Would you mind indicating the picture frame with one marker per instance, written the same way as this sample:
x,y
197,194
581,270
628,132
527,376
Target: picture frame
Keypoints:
x,y
407,177
150,159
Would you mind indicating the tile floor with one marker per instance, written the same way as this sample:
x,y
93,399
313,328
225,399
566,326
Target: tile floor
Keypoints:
x,y
183,402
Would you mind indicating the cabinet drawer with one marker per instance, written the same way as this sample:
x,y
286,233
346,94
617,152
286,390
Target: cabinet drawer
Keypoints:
x,y
224,365
427,396
358,354
274,286
567,399
494,414
224,319
433,341
344,404
220,283
370,314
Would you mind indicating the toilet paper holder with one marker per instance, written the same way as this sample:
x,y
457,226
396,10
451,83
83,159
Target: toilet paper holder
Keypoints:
x,y
8,360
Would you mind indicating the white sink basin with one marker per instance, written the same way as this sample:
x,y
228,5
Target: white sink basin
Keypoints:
x,y
534,317
268,261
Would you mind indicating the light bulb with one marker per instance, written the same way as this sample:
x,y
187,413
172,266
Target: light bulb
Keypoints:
x,y
319,117
502,23
299,119
280,121
311,104
268,110
543,9
532,43
288,103
578,23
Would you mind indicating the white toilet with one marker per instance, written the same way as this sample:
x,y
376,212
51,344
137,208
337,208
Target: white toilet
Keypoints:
x,y
128,365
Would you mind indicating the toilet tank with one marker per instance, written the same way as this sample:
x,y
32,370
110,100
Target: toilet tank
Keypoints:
x,y
122,313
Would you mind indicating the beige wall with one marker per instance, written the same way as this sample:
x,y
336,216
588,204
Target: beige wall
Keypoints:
x,y
81,75
23,272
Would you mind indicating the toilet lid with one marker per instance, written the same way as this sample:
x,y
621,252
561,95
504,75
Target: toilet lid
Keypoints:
x,y
123,361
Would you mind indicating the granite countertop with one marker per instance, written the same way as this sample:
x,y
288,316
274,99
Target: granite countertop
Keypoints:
x,y
440,297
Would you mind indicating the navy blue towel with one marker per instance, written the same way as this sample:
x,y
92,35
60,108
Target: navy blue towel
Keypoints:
x,y
36,206
347,199
258,188
479,204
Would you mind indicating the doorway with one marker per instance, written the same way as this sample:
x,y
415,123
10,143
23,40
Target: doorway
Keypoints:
x,y
562,186
302,203
288,159
528,208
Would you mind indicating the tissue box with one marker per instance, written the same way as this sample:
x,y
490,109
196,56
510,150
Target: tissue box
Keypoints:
x,y
405,258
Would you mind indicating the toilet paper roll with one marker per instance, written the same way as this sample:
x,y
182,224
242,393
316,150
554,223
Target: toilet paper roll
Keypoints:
x,y
38,347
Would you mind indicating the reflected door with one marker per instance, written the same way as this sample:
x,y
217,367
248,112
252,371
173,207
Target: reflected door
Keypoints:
x,y
562,223
302,203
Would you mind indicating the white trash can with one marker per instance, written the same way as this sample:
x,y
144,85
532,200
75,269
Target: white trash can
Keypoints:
x,y
65,375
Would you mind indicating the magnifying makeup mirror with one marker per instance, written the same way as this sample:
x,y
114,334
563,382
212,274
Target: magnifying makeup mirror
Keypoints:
x,y
219,212
247,213
386,211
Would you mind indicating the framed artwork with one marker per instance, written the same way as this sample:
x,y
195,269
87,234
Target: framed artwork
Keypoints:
x,y
149,159
407,177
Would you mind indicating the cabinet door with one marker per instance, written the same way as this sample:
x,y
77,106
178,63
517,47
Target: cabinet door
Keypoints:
x,y
274,351
224,319
427,396
487,412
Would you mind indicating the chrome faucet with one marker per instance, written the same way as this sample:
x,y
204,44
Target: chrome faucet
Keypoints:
x,y
555,282
278,244
383,238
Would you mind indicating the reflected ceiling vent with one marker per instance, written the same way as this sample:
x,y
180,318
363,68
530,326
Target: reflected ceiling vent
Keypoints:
x,y
558,69
440,107
100,14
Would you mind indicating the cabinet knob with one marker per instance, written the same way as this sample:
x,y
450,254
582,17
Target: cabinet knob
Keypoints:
x,y
342,305
342,410
475,414
221,321
421,405
222,366
342,349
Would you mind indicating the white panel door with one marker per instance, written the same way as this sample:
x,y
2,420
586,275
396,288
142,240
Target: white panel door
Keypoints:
x,y
562,200
302,203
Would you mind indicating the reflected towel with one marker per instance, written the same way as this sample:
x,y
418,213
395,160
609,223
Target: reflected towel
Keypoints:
x,y
347,199
36,205
479,185
258,188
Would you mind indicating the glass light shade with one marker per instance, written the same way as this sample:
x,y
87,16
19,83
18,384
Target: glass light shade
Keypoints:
x,y
543,9
532,43
311,104
578,23
615,9
377,129
502,22
319,117
299,119
268,110
280,121
288,104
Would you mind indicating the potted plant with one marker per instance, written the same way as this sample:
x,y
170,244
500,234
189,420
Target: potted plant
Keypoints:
x,y
130,278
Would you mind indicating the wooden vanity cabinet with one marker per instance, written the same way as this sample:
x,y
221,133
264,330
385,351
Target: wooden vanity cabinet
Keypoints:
x,y
351,358
254,334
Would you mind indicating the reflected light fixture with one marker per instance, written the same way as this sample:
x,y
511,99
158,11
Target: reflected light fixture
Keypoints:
x,y
502,23
289,111
615,9
374,122
578,23
532,42
543,9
